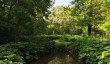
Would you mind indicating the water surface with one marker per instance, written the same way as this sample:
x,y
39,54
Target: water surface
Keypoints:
x,y
57,58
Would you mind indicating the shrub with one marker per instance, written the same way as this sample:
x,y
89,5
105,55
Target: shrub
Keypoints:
x,y
92,50
24,52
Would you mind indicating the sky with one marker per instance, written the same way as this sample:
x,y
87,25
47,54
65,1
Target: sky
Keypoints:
x,y
62,2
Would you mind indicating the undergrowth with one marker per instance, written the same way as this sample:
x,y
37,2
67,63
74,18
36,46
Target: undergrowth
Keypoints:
x,y
88,49
92,50
28,50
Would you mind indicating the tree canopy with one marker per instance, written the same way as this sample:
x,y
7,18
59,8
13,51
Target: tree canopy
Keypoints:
x,y
19,17
92,12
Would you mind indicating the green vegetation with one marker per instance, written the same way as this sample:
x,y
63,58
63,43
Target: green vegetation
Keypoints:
x,y
25,51
29,30
92,50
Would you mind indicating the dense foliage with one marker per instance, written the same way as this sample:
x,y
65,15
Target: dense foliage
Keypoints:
x,y
92,50
19,17
29,30
23,52
81,17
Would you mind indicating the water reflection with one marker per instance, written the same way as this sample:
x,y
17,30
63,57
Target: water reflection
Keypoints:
x,y
66,59
57,58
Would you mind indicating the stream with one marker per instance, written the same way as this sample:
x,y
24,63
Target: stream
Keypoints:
x,y
57,58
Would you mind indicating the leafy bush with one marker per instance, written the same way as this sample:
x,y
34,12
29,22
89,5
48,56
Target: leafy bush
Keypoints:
x,y
39,38
92,50
23,52
63,43
31,47
9,62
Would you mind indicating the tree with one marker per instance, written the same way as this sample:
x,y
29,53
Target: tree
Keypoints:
x,y
60,20
91,12
18,16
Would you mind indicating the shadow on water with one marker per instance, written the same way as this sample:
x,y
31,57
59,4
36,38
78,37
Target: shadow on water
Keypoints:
x,y
57,58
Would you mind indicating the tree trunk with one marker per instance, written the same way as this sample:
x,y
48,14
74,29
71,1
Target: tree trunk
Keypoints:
x,y
16,35
89,29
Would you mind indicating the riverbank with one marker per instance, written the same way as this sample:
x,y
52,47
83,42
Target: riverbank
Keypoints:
x,y
86,49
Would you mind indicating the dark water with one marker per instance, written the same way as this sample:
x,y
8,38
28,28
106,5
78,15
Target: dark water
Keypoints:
x,y
57,58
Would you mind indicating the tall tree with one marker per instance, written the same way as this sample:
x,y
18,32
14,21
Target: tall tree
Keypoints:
x,y
60,19
18,16
91,12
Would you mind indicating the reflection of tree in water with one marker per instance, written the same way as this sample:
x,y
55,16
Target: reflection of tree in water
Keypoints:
x,y
57,58
62,60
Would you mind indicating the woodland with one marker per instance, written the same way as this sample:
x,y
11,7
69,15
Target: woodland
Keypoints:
x,y
32,29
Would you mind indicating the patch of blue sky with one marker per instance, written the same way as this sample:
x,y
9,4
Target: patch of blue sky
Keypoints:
x,y
62,2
